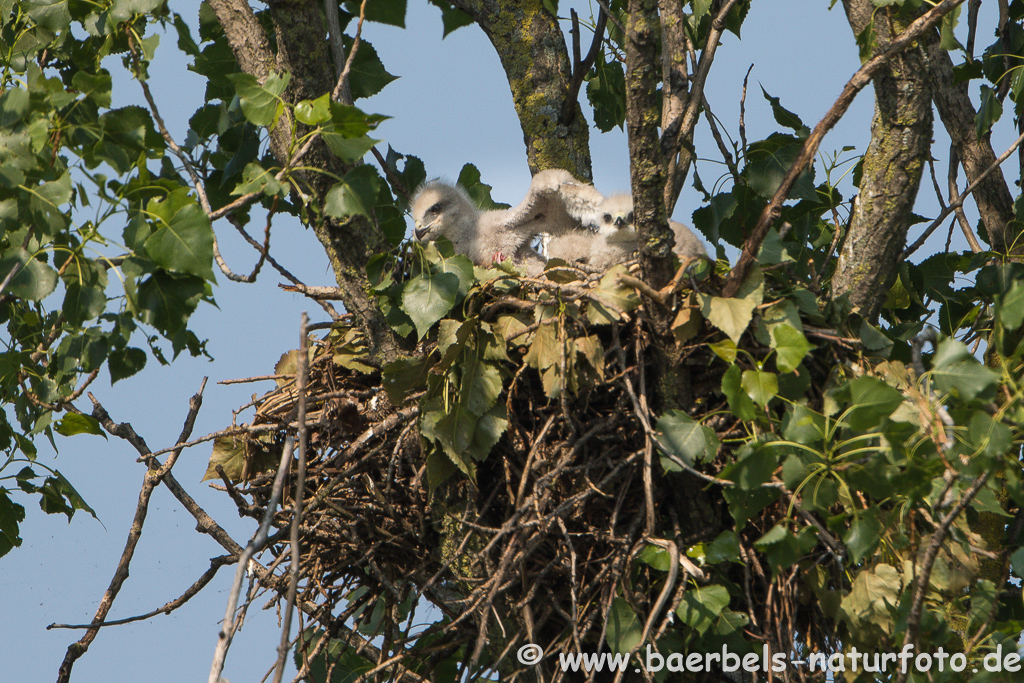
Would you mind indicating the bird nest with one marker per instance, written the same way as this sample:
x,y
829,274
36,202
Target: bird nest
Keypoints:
x,y
573,512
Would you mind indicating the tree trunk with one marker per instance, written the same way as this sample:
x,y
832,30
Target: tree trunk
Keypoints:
x,y
675,98
532,51
647,168
901,134
953,102
349,244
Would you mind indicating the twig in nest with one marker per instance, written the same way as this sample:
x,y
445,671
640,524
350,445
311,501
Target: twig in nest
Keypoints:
x,y
255,544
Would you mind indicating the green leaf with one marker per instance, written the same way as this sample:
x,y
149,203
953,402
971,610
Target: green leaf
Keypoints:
x,y
94,87
45,202
754,467
863,535
230,453
82,303
686,439
733,316
33,280
349,149
1011,306
127,134
427,297
479,191
874,341
479,385
725,548
656,557
947,26
987,436
11,515
166,300
261,104
124,363
784,117
405,376
769,167
367,76
610,297
740,404
14,106
182,239
989,111
955,371
724,349
60,497
870,400
439,469
791,347
545,349
606,91
624,628
50,14
76,423
702,605
451,18
314,112
804,426
1017,560
761,386
489,429
356,194
391,12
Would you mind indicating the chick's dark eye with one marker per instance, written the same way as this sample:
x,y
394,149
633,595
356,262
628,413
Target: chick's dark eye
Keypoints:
x,y
435,209
629,217
607,218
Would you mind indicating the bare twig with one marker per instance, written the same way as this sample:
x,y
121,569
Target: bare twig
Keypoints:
x,y
726,154
954,205
938,537
341,90
255,544
300,485
215,564
154,475
581,67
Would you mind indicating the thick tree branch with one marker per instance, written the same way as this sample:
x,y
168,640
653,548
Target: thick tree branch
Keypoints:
x,y
348,244
953,102
647,170
532,51
857,83
901,136
679,125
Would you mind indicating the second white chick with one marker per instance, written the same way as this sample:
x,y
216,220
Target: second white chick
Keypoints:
x,y
616,240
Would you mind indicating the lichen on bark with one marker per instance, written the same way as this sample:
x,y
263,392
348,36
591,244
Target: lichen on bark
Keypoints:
x,y
533,54
901,133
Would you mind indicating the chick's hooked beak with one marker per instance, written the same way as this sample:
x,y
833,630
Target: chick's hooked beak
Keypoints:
x,y
421,230
621,220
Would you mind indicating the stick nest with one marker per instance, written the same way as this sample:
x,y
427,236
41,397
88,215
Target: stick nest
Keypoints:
x,y
559,527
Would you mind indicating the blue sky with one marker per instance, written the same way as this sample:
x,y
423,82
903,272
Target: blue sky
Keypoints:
x,y
451,105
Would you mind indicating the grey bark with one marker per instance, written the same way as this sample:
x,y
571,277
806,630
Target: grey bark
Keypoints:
x,y
953,102
647,168
901,133
533,54
675,98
